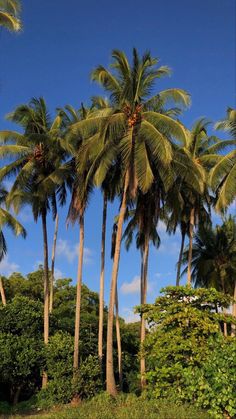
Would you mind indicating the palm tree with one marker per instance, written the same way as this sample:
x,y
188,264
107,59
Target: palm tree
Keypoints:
x,y
140,137
53,264
214,257
144,220
39,154
80,195
194,206
9,15
110,189
102,274
223,174
7,219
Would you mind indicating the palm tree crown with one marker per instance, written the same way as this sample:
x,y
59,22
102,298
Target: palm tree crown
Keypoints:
x,y
9,15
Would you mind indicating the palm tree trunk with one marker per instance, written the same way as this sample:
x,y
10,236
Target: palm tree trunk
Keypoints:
x,y
190,252
101,292
3,296
46,288
222,278
53,264
180,259
225,324
17,395
234,311
118,337
143,301
110,378
78,294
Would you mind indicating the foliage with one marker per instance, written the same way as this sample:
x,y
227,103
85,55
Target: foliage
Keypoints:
x,y
214,256
182,347
22,320
62,386
9,15
22,316
212,385
87,382
7,219
223,174
21,359
21,350
130,338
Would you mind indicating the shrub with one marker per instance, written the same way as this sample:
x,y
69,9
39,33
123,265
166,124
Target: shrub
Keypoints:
x,y
88,381
62,386
188,358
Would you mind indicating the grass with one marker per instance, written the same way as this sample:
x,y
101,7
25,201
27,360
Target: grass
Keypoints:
x,y
124,407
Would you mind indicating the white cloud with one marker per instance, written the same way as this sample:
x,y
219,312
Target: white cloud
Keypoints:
x,y
7,267
133,287
129,316
58,274
70,251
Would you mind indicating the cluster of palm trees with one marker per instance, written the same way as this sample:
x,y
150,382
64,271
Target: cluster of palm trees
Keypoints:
x,y
132,145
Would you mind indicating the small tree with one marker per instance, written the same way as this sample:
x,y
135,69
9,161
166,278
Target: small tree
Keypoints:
x,y
185,337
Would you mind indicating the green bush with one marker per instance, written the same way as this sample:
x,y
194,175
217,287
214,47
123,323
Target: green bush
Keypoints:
x,y
88,381
62,387
188,359
213,384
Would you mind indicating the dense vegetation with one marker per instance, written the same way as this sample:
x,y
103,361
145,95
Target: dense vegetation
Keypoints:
x,y
57,340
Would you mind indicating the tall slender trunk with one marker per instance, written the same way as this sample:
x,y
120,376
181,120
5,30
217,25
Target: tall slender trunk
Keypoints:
x,y
101,292
180,258
78,293
222,277
190,251
46,288
143,301
225,324
17,395
110,378
3,296
53,264
118,337
233,327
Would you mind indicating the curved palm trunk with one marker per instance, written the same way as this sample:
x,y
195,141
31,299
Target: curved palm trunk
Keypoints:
x,y
101,292
53,264
3,296
143,301
233,328
118,337
180,259
110,378
190,252
46,288
78,294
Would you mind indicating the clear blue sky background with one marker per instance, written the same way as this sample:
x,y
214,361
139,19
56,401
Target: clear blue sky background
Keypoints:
x,y
61,43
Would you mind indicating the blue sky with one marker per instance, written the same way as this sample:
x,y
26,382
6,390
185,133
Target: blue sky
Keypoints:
x,y
60,44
